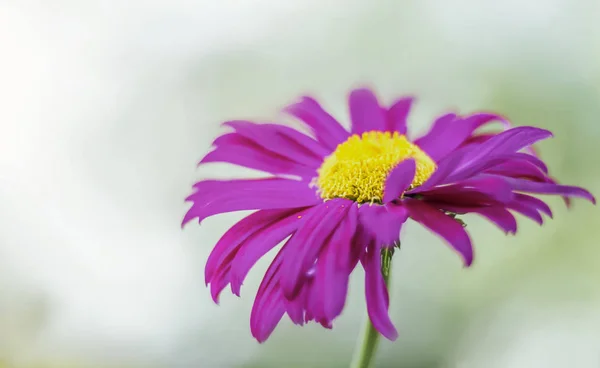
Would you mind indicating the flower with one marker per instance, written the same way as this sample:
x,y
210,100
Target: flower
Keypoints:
x,y
340,198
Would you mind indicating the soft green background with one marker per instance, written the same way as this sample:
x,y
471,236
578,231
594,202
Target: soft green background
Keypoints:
x,y
106,106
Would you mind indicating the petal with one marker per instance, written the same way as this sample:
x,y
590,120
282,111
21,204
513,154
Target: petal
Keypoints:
x,y
269,307
445,168
268,318
212,197
282,140
474,192
333,269
399,179
550,188
303,142
519,169
258,244
305,245
227,247
377,296
325,128
533,160
480,119
361,240
296,308
480,138
450,131
530,207
365,113
326,324
477,139
507,142
501,217
383,222
498,215
442,136
444,226
484,164
235,149
495,151
397,115
218,282
534,202
566,199
526,211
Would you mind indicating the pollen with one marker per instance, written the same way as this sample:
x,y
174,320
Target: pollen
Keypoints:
x,y
358,168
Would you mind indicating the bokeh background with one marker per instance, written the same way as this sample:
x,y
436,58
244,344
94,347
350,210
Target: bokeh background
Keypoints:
x,y
106,106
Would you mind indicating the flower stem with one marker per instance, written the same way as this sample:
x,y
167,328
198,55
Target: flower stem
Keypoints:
x,y
367,345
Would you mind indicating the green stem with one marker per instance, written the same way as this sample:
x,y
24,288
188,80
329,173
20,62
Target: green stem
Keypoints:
x,y
367,346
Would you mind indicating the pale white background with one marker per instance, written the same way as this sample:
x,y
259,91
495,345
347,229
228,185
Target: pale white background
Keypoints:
x,y
106,106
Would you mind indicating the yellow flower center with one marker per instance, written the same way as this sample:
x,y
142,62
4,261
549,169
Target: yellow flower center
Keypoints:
x,y
358,168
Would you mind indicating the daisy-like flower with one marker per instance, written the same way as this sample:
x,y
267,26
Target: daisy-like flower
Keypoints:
x,y
338,198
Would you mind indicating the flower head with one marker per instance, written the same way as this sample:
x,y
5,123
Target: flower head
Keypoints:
x,y
339,198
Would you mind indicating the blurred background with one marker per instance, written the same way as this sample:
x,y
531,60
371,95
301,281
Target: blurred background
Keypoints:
x,y
106,106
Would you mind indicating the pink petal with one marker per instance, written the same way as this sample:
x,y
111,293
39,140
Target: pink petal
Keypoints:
x,y
444,226
306,244
534,202
333,271
376,293
399,179
365,112
498,215
383,223
550,188
326,129
268,308
235,149
212,197
505,143
258,244
473,192
229,244
283,141
397,115
450,131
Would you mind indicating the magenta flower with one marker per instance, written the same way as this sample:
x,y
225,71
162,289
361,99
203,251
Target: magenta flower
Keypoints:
x,y
340,198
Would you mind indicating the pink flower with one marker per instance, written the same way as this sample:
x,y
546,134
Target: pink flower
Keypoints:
x,y
338,198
